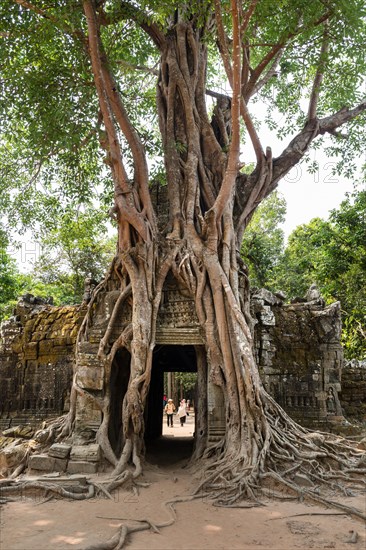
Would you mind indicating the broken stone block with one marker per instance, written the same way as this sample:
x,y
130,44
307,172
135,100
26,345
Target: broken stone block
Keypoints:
x,y
47,463
59,450
267,316
11,455
81,467
268,297
65,481
316,438
88,453
19,431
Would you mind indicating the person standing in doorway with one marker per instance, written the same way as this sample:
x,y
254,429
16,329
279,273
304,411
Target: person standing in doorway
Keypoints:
x,y
182,411
169,409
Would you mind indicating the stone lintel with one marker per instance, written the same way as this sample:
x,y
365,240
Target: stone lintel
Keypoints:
x,y
176,336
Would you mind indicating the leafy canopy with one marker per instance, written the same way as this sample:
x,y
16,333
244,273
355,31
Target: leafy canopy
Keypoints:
x,y
50,153
263,241
332,253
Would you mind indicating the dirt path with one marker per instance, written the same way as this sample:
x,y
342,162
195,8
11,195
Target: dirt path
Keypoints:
x,y
62,525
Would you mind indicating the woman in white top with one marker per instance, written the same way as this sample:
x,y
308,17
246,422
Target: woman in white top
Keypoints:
x,y
182,411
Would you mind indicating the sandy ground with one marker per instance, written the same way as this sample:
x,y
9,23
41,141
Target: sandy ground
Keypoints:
x,y
62,525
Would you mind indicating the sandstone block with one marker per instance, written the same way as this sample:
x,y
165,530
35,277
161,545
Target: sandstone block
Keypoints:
x,y
30,350
268,297
88,453
81,467
47,463
59,450
91,378
45,347
25,432
11,455
267,316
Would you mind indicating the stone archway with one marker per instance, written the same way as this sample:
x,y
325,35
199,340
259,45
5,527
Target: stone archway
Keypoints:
x,y
167,358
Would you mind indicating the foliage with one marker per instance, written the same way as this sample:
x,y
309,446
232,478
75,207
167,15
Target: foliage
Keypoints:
x,y
304,60
188,380
8,278
332,253
49,116
263,241
74,250
304,259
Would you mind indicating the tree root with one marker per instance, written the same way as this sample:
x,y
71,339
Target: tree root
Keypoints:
x,y
29,488
298,462
118,540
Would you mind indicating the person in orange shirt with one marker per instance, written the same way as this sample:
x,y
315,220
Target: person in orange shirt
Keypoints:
x,y
169,409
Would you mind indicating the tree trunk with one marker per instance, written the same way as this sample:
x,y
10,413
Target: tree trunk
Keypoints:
x,y
200,248
201,252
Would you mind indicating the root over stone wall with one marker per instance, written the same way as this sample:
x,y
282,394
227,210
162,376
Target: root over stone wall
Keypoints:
x,y
297,347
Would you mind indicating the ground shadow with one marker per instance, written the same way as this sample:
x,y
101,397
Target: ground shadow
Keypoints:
x,y
167,450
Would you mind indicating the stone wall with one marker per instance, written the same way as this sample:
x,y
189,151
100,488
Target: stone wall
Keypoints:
x,y
299,356
297,347
353,391
36,360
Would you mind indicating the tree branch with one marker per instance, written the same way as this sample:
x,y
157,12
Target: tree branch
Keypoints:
x,y
314,97
234,152
31,7
123,192
222,42
137,15
248,16
344,115
154,72
299,145
273,53
43,13
272,72
260,68
224,51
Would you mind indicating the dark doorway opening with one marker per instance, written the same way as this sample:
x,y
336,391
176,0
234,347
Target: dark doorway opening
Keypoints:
x,y
120,375
167,359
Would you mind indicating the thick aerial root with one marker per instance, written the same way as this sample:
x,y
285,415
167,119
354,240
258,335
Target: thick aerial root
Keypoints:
x,y
306,464
30,488
79,491
314,496
118,540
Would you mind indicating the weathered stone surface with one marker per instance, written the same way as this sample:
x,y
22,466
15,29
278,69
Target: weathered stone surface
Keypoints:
x,y
11,454
268,297
297,347
70,480
302,480
82,467
300,357
59,450
91,377
47,463
267,316
36,359
26,432
353,391
89,453
316,438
